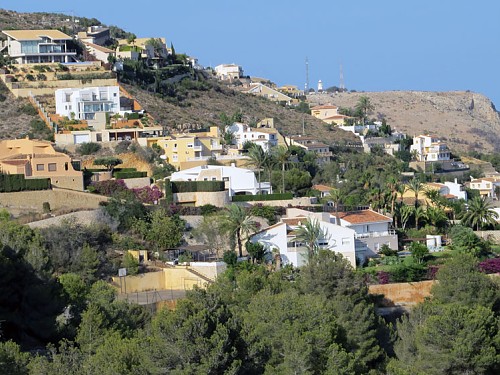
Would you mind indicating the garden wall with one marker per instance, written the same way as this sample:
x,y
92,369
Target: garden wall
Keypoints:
x,y
403,293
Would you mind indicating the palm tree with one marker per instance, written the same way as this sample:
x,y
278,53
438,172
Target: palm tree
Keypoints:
x,y
311,232
269,164
416,186
436,217
364,106
393,186
239,223
434,196
336,196
282,154
257,159
479,213
406,212
419,214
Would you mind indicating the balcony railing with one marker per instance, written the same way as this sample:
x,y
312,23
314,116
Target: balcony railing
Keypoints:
x,y
390,232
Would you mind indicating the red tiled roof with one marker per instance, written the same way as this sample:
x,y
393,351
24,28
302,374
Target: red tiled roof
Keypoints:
x,y
322,188
364,216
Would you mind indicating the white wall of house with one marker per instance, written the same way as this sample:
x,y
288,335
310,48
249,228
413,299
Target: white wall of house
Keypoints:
x,y
238,180
244,133
228,71
85,103
456,189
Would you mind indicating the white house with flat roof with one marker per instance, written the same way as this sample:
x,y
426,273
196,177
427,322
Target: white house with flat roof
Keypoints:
x,y
38,46
226,72
84,103
238,181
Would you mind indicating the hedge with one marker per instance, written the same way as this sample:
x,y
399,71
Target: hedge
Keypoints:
x,y
195,186
262,197
131,174
17,182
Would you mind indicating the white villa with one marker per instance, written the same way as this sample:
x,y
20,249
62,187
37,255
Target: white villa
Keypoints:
x,y
37,46
226,72
264,137
430,148
283,236
487,186
83,104
238,181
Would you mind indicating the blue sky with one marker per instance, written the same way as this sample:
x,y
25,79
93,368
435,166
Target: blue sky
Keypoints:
x,y
382,45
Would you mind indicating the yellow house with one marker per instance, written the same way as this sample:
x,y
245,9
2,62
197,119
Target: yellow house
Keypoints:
x,y
190,147
38,159
291,90
329,114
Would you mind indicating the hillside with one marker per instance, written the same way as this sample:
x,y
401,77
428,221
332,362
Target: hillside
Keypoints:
x,y
203,108
467,121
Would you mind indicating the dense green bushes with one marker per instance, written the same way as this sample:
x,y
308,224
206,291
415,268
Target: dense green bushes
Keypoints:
x,y
129,174
262,197
17,182
197,186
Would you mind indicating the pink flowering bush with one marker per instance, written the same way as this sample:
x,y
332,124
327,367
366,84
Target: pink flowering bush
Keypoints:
x,y
107,188
148,194
383,277
490,265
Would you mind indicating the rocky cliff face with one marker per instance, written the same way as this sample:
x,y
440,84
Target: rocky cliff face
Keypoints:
x,y
467,121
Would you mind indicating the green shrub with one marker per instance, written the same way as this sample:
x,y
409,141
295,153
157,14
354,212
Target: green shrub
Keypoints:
x,y
262,197
17,182
194,186
88,148
28,109
132,174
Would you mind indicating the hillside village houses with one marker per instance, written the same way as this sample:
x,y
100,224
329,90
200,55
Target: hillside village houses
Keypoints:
x,y
98,35
259,89
430,148
38,159
99,52
310,144
329,114
153,50
228,72
358,236
265,136
488,187
37,46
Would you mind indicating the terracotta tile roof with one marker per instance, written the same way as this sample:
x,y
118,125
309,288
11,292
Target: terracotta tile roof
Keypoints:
x,y
326,106
323,188
294,221
450,196
337,116
434,185
14,162
364,216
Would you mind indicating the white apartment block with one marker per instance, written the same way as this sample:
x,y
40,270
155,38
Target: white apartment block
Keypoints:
x,y
430,148
264,137
84,104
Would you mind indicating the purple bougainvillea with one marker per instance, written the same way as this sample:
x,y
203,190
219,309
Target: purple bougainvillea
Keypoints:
x,y
431,272
108,187
148,194
383,277
490,265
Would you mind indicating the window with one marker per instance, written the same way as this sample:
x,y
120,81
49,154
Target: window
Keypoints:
x,y
214,179
346,241
52,167
205,179
190,145
225,178
40,167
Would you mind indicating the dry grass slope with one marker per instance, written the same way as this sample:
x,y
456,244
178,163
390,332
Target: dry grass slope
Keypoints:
x,y
203,108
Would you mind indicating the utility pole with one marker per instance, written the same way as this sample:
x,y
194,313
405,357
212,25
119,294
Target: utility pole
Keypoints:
x,y
341,83
306,86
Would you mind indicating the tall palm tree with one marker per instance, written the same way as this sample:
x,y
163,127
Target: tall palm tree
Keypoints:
x,y
336,196
434,196
405,212
311,232
419,213
393,186
269,164
364,106
479,213
416,186
257,159
282,154
436,217
240,224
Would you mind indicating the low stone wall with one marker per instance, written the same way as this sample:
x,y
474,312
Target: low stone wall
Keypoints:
x,y
217,198
403,293
59,199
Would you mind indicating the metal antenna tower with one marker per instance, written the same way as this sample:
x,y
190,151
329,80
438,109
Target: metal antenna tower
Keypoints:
x,y
341,83
306,86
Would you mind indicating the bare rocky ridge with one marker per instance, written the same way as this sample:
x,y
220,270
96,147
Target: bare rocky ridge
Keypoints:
x,y
467,121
